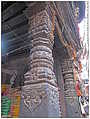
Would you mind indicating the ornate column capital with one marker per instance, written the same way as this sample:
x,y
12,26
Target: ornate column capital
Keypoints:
x,y
34,7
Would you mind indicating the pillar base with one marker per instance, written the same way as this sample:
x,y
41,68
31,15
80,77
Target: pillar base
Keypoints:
x,y
41,100
73,107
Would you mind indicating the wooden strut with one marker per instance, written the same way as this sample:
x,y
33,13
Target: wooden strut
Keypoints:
x,y
65,44
53,24
70,49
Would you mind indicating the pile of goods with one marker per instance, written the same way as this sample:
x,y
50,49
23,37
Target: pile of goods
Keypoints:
x,y
5,105
10,101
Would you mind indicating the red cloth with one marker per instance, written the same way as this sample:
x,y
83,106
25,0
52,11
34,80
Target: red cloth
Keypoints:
x,y
78,89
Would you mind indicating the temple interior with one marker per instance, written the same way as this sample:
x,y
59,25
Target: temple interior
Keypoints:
x,y
39,46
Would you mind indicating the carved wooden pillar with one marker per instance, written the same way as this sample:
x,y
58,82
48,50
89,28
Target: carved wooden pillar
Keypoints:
x,y
41,60
72,104
40,91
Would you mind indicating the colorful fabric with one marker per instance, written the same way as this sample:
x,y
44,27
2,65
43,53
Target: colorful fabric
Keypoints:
x,y
5,105
78,90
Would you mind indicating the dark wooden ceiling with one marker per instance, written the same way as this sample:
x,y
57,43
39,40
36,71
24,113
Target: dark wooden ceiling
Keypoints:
x,y
6,4
14,27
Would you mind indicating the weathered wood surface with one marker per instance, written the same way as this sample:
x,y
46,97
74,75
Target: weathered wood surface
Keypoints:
x,y
12,10
13,22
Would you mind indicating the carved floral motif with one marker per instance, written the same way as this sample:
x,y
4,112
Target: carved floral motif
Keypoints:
x,y
33,98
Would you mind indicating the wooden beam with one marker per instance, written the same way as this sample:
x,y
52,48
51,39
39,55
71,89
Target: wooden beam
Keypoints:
x,y
61,38
19,38
16,50
13,22
16,32
12,10
18,44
